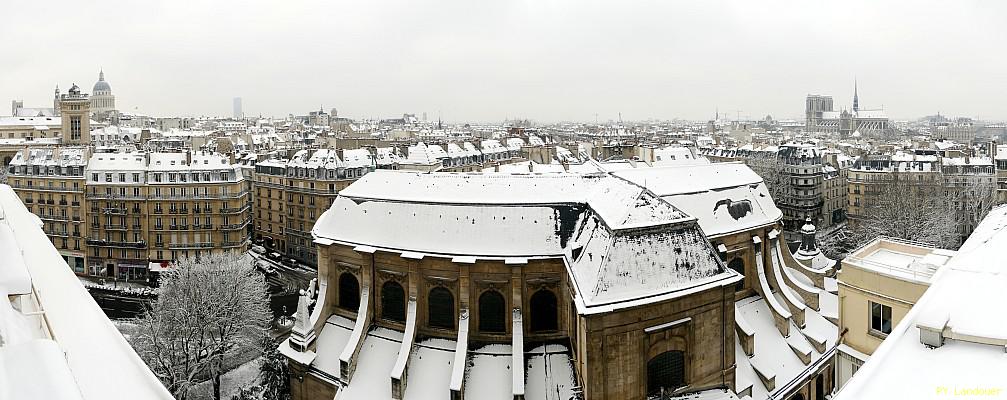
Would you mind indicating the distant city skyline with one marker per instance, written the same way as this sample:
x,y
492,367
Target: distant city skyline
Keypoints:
x,y
544,61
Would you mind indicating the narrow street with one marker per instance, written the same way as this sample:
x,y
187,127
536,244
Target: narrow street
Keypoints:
x,y
283,283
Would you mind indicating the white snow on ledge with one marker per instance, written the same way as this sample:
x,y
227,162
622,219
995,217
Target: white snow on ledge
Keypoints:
x,y
93,346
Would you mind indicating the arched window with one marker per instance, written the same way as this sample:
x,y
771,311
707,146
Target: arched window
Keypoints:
x,y
543,311
349,292
393,302
665,372
738,265
492,312
441,308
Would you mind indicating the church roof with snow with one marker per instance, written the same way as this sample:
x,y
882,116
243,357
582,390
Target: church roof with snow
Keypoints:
x,y
724,197
620,241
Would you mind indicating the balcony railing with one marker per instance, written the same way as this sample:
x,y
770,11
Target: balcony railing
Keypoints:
x,y
47,189
54,217
115,227
112,196
197,245
197,196
114,243
234,210
115,211
234,244
235,226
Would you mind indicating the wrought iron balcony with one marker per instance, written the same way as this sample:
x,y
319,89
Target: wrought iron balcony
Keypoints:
x,y
115,243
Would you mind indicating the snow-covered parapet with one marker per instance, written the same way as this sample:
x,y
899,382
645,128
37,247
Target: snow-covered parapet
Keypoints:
x,y
348,358
795,304
517,354
781,315
457,385
399,373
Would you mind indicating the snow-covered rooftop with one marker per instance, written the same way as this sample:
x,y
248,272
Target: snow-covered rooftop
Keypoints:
x,y
51,122
724,197
963,306
906,261
52,156
620,241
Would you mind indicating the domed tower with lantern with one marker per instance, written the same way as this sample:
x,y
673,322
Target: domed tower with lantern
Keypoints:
x,y
102,100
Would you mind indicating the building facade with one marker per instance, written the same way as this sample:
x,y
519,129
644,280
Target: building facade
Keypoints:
x,y
147,209
50,182
118,214
290,195
966,185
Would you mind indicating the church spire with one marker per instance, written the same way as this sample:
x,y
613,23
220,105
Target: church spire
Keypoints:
x,y
856,99
101,74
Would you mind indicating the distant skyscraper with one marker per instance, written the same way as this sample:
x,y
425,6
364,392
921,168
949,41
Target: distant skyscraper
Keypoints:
x,y
238,114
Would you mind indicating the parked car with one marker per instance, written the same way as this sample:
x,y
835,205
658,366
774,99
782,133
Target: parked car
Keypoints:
x,y
265,267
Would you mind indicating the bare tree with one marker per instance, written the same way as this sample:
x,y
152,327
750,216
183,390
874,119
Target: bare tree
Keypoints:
x,y
970,198
773,171
207,310
918,211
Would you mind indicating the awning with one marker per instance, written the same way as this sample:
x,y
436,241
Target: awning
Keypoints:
x,y
159,266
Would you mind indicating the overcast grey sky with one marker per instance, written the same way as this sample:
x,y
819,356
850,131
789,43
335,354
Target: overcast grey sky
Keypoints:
x,y
480,60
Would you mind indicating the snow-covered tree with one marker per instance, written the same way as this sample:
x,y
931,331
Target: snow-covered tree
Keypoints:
x,y
910,210
274,376
207,310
